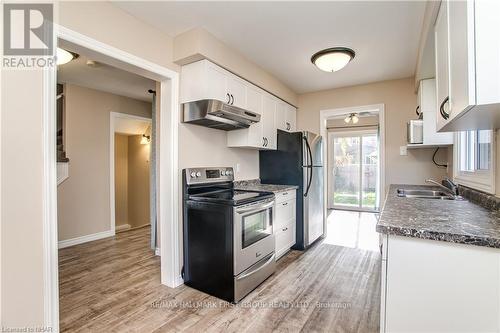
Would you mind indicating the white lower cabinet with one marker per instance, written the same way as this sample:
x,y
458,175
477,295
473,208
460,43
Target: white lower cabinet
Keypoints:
x,y
435,286
284,222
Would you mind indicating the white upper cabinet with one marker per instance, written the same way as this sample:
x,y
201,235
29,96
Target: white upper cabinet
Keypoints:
x,y
467,65
286,117
442,81
237,90
269,122
291,118
427,105
205,80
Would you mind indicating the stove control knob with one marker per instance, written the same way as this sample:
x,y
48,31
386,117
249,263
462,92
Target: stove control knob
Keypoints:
x,y
193,174
198,174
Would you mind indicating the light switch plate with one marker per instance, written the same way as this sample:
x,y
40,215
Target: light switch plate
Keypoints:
x,y
403,150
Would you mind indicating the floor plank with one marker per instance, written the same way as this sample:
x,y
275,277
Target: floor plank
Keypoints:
x,y
113,285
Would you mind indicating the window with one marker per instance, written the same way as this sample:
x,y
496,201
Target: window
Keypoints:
x,y
474,160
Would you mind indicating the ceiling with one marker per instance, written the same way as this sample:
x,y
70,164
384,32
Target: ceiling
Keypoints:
x,y
131,126
105,78
282,36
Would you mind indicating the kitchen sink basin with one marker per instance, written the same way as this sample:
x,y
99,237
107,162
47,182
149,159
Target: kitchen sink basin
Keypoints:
x,y
425,194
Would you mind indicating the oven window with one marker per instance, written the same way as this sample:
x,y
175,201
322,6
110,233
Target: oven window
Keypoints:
x,y
255,227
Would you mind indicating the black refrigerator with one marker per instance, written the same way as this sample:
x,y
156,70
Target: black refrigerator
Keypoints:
x,y
298,161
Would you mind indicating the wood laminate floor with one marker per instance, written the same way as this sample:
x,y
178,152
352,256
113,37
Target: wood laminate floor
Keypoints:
x,y
113,285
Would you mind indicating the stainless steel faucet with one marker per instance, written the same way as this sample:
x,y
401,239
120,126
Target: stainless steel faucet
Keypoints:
x,y
449,192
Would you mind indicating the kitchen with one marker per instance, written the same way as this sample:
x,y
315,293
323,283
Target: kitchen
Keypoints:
x,y
253,171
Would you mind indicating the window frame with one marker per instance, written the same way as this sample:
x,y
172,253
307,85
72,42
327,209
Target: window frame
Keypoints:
x,y
482,180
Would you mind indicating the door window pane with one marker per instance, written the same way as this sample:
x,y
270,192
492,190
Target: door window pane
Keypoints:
x,y
370,171
484,150
346,171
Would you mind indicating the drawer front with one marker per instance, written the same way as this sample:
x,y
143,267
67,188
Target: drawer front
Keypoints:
x,y
285,239
285,196
284,212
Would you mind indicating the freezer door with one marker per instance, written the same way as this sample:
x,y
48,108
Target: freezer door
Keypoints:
x,y
313,205
312,147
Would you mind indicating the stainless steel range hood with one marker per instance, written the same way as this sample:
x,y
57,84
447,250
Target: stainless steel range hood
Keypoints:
x,y
216,114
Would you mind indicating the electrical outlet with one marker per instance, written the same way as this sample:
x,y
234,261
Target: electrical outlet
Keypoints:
x,y
238,167
403,150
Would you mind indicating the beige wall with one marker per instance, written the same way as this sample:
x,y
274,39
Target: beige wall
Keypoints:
x,y
198,44
112,25
121,179
83,199
400,101
138,182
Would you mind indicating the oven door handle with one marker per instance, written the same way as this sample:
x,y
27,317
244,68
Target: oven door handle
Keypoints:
x,y
258,268
254,208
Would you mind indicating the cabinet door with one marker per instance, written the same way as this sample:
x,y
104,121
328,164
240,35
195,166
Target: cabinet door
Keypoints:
x,y
238,91
291,119
216,83
269,121
442,76
281,115
427,103
254,103
461,56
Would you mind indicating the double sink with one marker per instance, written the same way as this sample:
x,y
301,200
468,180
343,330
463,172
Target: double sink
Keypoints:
x,y
426,194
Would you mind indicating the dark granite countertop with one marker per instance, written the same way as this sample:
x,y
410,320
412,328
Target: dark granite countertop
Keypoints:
x,y
455,221
255,185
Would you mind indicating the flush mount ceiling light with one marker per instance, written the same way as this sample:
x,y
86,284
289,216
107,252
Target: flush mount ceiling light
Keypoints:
x,y
333,59
63,56
352,117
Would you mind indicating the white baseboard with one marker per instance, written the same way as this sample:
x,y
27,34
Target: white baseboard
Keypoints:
x,y
122,227
157,252
84,239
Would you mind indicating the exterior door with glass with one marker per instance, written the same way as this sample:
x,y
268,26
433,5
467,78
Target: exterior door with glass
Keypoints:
x,y
353,170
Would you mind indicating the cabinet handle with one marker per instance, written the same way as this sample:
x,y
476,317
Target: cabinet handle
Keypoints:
x,y
285,193
441,108
417,111
285,203
263,141
284,229
267,141
228,98
287,126
232,99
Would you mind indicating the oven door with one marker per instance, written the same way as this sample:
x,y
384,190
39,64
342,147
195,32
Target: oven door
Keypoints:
x,y
253,234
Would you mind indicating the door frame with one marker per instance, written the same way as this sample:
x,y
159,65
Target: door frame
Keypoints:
x,y
354,133
329,113
168,175
112,195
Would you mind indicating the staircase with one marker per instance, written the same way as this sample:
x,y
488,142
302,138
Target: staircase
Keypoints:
x,y
61,153
62,159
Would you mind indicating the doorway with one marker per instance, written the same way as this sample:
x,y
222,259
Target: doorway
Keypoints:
x,y
130,172
168,182
354,170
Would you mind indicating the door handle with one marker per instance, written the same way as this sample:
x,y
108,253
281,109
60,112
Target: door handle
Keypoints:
x,y
441,108
255,208
258,268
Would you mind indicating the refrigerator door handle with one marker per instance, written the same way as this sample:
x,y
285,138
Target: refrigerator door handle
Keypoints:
x,y
309,167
